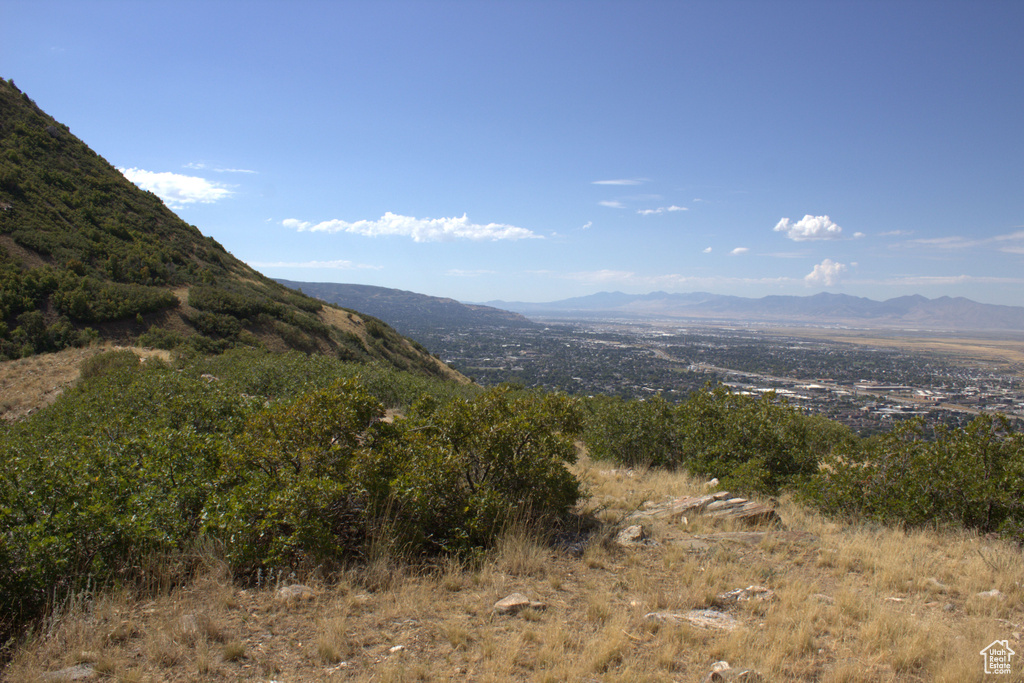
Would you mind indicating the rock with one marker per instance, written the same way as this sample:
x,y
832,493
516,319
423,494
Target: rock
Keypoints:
x,y
748,594
721,671
701,618
994,593
516,603
693,545
719,505
633,536
711,484
745,537
79,672
396,649
296,593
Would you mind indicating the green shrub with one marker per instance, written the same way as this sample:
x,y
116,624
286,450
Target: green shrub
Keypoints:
x,y
756,444
286,495
971,477
105,363
458,473
632,433
161,338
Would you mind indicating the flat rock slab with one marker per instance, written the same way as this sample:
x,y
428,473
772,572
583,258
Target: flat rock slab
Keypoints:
x,y
701,618
745,537
296,593
515,603
691,544
702,542
748,594
79,672
721,505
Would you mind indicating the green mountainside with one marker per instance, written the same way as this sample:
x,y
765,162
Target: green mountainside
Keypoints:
x,y
86,255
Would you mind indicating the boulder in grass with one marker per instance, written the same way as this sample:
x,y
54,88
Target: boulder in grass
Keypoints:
x,y
516,603
701,618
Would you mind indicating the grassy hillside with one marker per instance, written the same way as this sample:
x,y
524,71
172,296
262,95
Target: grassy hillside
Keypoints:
x,y
86,255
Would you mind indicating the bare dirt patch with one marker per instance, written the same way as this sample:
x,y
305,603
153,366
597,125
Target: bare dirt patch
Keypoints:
x,y
28,384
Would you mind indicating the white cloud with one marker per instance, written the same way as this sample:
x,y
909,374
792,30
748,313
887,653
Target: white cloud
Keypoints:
x,y
825,273
419,229
740,250
809,228
707,250
661,210
458,272
612,204
951,242
177,190
621,181
945,280
200,166
586,226
669,281
331,265
602,276
1011,243
858,235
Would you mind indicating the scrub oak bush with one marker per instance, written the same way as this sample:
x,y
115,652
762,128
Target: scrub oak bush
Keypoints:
x,y
456,474
757,444
971,477
286,491
284,459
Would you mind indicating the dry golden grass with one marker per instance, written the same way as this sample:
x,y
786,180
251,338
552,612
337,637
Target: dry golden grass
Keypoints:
x,y
852,603
28,384
1006,350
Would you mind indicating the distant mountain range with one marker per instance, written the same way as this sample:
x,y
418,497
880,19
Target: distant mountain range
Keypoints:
x,y
409,312
913,312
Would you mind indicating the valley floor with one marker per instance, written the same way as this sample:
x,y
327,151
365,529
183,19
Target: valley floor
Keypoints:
x,y
850,603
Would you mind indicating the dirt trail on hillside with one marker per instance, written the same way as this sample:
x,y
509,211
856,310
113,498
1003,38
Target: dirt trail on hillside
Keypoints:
x,y
28,384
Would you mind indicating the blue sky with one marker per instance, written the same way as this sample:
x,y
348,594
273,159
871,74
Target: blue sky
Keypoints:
x,y
534,151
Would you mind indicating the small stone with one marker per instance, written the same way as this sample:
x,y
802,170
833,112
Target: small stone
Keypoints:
x,y
296,593
721,672
396,649
748,594
711,484
994,593
701,618
516,603
632,536
79,672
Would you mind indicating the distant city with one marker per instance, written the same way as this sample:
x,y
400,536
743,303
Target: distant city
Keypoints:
x,y
865,387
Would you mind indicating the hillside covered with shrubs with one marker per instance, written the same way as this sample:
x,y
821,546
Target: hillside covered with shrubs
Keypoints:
x,y
86,255
296,461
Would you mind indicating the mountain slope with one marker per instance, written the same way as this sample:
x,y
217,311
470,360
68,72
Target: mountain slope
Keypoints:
x,y
944,313
409,312
86,255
